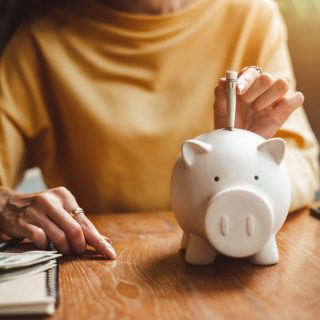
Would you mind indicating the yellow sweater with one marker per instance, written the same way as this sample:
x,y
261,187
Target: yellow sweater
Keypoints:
x,y
101,100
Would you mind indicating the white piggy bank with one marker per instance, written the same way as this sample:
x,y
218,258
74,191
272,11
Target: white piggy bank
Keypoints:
x,y
230,193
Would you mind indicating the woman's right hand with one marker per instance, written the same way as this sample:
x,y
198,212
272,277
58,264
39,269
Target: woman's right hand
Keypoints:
x,y
263,103
45,216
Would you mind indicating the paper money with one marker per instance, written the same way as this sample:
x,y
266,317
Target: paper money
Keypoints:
x,y
27,271
231,96
17,260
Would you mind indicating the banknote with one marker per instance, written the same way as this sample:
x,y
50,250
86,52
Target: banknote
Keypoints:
x,y
10,260
27,271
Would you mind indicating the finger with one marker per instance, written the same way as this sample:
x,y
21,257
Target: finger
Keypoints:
x,y
94,238
261,85
91,234
71,228
52,231
219,107
275,93
278,114
33,233
49,204
291,103
37,236
56,212
246,79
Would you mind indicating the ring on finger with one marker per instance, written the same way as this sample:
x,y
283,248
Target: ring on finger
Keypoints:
x,y
259,69
76,211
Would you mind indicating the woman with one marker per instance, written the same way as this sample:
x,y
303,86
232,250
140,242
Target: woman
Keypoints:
x,y
101,94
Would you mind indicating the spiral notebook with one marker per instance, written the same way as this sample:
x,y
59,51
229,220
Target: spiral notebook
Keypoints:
x,y
30,290
33,294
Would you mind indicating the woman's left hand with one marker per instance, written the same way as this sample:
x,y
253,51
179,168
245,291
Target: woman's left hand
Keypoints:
x,y
262,103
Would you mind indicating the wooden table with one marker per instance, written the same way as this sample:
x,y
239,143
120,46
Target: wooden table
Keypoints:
x,y
150,280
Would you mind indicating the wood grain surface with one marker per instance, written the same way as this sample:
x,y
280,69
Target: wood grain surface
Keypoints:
x,y
150,280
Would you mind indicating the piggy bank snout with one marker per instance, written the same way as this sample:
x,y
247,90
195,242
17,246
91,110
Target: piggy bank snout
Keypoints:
x,y
238,222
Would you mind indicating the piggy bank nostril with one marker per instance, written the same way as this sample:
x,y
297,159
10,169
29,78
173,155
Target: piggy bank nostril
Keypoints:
x,y
250,225
224,225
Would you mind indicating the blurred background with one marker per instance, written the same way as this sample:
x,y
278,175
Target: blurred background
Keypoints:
x,y
303,22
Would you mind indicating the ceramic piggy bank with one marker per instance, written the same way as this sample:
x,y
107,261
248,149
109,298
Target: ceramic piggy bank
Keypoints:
x,y
230,193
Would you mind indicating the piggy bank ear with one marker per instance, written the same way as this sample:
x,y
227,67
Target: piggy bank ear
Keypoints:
x,y
191,148
275,147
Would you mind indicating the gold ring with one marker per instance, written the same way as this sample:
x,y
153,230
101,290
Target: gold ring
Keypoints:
x,y
77,211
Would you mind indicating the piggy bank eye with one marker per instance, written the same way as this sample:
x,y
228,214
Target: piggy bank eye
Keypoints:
x,y
256,177
216,179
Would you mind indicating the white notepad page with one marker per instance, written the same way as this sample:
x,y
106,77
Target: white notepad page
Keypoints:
x,y
28,295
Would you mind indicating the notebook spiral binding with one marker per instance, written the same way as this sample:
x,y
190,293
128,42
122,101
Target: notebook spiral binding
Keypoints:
x,y
52,283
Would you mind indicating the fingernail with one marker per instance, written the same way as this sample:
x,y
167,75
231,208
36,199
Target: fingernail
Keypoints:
x,y
241,86
111,253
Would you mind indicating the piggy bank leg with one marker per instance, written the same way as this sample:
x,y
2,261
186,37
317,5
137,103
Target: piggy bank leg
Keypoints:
x,y
199,252
184,241
268,254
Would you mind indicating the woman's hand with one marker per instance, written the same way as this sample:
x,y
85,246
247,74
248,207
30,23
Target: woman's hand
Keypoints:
x,y
262,103
45,216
